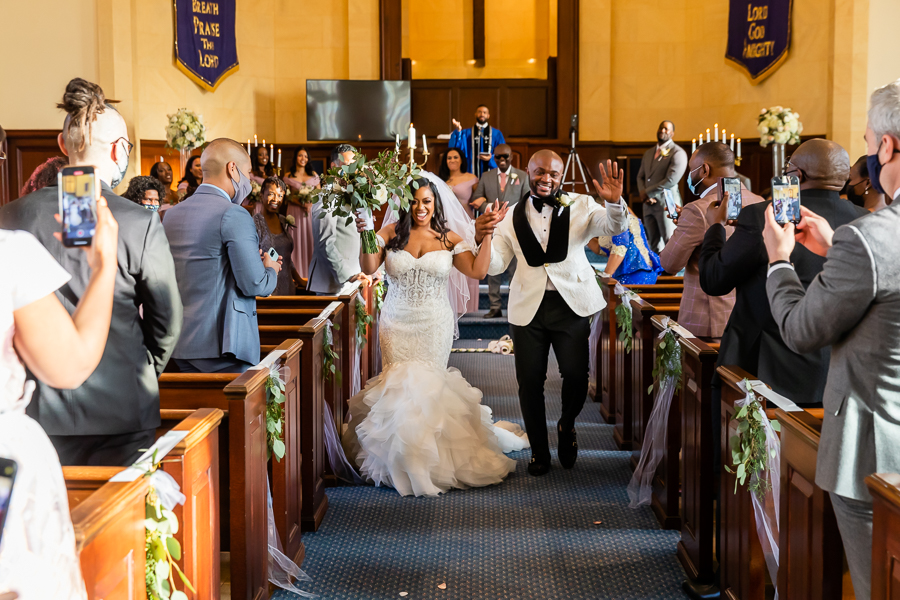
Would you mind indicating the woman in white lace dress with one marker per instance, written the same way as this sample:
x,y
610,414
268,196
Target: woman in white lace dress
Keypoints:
x,y
419,427
38,559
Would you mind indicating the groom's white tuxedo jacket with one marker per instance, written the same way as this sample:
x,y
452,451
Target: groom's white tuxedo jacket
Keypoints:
x,y
566,265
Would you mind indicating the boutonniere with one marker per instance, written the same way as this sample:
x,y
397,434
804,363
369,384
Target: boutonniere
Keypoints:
x,y
665,152
513,177
565,200
291,220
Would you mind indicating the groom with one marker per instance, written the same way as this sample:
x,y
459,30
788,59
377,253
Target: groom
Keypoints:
x,y
554,292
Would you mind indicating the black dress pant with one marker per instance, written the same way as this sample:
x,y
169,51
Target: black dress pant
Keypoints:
x,y
655,225
555,325
120,450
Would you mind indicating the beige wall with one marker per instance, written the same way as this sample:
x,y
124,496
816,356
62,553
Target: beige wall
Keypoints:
x,y
519,37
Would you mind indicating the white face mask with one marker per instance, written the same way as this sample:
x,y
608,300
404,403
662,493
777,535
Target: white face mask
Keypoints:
x,y
122,170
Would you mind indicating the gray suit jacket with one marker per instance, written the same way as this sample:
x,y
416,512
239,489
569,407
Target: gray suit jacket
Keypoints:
x,y
220,274
854,306
335,256
663,172
489,187
121,395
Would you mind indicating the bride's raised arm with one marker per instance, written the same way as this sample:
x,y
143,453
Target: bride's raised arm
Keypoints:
x,y
369,263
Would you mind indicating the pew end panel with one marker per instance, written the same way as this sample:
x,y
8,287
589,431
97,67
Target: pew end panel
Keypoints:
x,y
110,534
606,354
885,491
696,549
812,563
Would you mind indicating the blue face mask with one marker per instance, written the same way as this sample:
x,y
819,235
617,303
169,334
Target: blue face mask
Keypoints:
x,y
692,185
875,169
151,207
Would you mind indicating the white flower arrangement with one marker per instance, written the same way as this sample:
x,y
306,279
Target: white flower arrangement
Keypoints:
x,y
565,200
185,130
779,125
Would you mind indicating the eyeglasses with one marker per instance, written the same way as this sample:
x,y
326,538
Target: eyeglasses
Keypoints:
x,y
501,156
785,171
129,146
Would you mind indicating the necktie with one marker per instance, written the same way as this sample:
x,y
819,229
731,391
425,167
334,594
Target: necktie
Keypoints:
x,y
502,182
655,156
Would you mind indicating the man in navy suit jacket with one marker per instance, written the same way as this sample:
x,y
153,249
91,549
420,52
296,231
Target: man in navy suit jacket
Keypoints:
x,y
218,266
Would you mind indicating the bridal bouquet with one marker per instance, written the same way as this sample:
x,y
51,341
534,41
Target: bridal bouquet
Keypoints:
x,y
185,130
780,125
363,187
301,197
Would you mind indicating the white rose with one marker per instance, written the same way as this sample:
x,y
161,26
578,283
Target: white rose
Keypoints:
x,y
793,127
771,138
778,109
184,127
783,137
173,119
763,129
763,111
780,128
190,137
381,195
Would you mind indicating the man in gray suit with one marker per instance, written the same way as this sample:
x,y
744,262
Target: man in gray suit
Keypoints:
x,y
853,306
335,259
506,184
661,169
217,261
115,413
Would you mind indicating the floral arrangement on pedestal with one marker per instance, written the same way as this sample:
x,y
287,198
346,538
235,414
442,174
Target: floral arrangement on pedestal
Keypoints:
x,y
364,187
779,125
185,130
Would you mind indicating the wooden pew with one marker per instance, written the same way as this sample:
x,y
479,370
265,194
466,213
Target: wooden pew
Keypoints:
x,y
885,490
109,532
696,550
244,463
346,330
194,464
670,279
313,389
634,368
373,366
606,353
810,547
277,325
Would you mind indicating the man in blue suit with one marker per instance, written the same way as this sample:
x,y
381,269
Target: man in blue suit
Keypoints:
x,y
218,266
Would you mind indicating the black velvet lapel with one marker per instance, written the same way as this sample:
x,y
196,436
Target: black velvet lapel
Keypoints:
x,y
557,243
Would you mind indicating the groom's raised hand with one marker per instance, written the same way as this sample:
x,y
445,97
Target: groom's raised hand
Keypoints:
x,y
613,182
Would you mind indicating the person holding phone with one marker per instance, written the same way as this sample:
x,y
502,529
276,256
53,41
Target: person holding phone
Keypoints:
x,y
275,232
701,314
115,412
38,558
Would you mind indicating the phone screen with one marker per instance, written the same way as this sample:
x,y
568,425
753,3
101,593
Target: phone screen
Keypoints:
x,y
786,199
671,205
732,185
7,476
78,205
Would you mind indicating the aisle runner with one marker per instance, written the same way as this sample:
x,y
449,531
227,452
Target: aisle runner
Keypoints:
x,y
526,539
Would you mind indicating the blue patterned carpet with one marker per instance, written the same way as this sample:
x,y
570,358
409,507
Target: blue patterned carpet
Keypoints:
x,y
526,539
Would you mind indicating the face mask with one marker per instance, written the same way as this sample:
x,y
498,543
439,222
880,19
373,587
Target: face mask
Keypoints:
x,y
122,170
875,170
692,185
151,207
852,196
242,188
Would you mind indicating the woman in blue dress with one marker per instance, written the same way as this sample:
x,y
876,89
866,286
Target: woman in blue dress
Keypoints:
x,y
630,258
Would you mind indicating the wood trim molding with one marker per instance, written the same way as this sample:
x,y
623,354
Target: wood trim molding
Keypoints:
x,y
390,18
566,65
478,30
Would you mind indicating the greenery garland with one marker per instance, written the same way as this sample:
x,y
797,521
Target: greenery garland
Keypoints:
x,y
161,548
668,361
748,446
275,416
623,322
379,295
363,320
330,370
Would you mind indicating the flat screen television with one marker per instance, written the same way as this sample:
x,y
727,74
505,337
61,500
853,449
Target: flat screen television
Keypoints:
x,y
369,111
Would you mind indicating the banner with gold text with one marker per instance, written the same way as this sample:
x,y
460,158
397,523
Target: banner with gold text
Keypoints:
x,y
205,44
759,35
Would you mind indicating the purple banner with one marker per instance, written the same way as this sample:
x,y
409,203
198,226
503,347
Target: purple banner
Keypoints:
x,y
205,44
759,35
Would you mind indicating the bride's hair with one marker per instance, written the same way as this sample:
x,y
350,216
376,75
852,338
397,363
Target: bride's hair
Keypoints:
x,y
404,222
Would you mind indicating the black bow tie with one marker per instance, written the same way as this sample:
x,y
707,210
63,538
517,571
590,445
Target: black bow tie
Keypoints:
x,y
539,203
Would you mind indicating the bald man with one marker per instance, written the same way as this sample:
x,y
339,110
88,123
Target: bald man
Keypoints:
x,y
115,412
553,293
220,268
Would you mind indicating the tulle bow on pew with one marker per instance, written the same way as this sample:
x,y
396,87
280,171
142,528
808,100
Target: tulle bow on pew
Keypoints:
x,y
337,459
640,489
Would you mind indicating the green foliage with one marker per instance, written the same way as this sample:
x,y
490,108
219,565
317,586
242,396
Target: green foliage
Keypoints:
x,y
363,320
161,548
668,361
748,447
275,417
329,369
623,323
379,295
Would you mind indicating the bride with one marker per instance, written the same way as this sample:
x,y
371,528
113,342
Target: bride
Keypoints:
x,y
419,427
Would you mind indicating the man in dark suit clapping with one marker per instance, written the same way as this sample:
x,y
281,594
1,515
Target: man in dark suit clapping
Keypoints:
x,y
506,184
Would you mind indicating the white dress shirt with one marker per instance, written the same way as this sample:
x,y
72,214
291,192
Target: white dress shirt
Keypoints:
x,y
708,190
540,225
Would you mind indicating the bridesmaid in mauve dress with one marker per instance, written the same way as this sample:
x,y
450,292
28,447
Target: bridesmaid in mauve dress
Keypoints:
x,y
301,177
453,171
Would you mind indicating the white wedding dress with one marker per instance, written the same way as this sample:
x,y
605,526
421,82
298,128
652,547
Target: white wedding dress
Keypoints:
x,y
419,427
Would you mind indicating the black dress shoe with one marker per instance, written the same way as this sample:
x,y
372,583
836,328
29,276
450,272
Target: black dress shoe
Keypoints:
x,y
701,591
493,314
538,468
567,449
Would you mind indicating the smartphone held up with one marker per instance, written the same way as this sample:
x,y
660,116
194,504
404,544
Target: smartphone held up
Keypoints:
x,y
786,199
671,205
731,185
78,191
